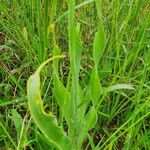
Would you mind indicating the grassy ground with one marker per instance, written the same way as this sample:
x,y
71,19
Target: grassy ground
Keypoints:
x,y
27,39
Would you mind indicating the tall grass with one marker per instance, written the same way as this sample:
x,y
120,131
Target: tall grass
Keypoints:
x,y
97,96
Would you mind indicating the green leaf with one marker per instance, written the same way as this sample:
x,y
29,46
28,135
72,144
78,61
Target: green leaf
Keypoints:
x,y
95,87
99,44
91,118
42,141
47,123
62,97
78,49
89,122
56,51
20,128
18,122
81,107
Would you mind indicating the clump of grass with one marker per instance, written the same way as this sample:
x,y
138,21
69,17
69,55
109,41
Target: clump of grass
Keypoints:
x,y
94,102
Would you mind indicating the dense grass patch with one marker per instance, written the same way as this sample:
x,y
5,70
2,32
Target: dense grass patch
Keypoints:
x,y
96,96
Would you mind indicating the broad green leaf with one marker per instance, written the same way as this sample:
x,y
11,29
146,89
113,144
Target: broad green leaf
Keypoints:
x,y
78,49
95,87
81,107
62,97
89,122
75,50
43,143
91,118
56,51
99,44
18,122
47,123
60,92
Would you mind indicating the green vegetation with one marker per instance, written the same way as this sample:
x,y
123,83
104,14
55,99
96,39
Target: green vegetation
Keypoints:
x,y
75,74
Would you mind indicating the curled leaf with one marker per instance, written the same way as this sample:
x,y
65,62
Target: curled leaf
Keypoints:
x,y
47,123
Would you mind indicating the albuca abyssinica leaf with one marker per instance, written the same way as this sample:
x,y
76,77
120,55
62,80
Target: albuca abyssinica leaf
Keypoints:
x,y
98,49
99,44
62,96
91,118
78,50
89,122
95,87
47,123
18,121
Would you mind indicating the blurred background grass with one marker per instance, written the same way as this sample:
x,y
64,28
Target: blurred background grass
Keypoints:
x,y
26,41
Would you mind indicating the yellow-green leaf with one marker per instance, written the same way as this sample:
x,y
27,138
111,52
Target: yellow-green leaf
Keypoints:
x,y
47,123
